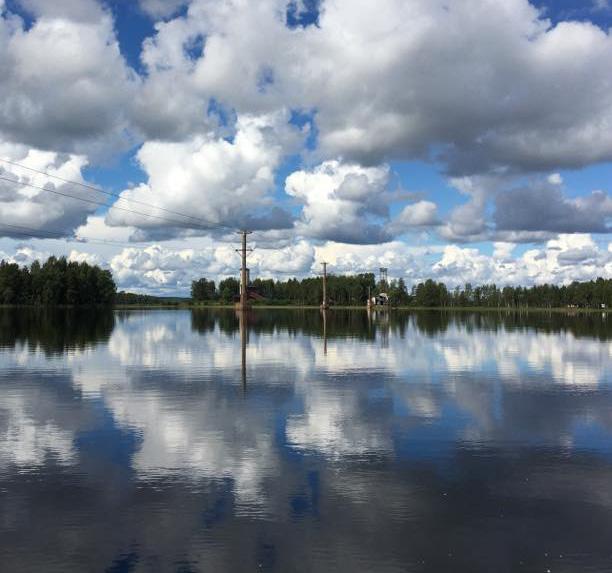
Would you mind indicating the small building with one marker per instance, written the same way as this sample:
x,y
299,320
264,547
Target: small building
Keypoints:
x,y
381,299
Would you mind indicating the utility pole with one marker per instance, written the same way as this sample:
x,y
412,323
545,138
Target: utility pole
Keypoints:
x,y
244,292
324,305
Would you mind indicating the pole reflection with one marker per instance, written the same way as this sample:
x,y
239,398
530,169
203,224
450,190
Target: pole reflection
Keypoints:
x,y
324,313
244,335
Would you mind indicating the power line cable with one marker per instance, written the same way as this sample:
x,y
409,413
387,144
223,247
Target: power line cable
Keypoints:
x,y
56,235
112,194
181,224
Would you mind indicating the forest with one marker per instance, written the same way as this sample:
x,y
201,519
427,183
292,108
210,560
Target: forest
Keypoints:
x,y
57,281
61,282
352,290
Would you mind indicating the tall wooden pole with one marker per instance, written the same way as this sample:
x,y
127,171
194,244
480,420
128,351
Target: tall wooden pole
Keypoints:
x,y
244,292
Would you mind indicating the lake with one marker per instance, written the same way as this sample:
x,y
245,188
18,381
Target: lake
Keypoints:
x,y
289,440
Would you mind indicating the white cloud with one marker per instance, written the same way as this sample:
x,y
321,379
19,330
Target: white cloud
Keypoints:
x,y
31,208
213,180
397,79
76,10
342,201
25,255
568,258
163,269
488,90
65,85
161,8
95,227
80,257
562,260
419,214
398,257
503,250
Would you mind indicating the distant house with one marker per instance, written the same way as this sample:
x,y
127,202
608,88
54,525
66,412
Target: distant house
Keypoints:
x,y
381,299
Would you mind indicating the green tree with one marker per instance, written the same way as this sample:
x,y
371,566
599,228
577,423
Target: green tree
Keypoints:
x,y
228,289
203,289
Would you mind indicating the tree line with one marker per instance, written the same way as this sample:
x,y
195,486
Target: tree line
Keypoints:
x,y
60,282
55,282
353,290
342,290
587,294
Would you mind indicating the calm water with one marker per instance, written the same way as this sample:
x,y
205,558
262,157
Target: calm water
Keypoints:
x,y
198,441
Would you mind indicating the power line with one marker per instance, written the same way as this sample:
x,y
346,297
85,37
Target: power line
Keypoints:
x,y
112,194
181,224
56,235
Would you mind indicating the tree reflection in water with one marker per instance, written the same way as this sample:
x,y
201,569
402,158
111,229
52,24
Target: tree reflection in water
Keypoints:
x,y
300,440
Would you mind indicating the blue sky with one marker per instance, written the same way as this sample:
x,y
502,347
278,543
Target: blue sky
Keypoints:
x,y
466,142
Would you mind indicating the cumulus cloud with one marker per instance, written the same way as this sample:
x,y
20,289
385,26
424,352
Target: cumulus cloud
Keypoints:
x,y
455,265
95,227
467,222
65,85
397,256
568,258
80,257
419,214
77,10
343,202
27,207
215,181
547,209
298,259
161,8
498,96
157,268
504,89
24,255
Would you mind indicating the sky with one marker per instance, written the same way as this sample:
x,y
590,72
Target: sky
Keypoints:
x,y
465,141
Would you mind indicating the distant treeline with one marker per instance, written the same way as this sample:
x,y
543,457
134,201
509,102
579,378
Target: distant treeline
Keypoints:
x,y
132,299
55,282
590,294
342,290
353,290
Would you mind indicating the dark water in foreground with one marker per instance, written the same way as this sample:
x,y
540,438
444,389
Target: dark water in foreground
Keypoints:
x,y
194,441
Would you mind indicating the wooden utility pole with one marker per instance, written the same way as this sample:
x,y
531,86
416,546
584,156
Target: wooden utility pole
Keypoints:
x,y
324,305
244,281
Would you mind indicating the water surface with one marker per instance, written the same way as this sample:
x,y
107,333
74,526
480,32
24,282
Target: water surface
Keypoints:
x,y
295,441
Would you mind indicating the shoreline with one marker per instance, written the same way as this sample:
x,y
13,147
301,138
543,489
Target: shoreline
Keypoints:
x,y
192,306
567,310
